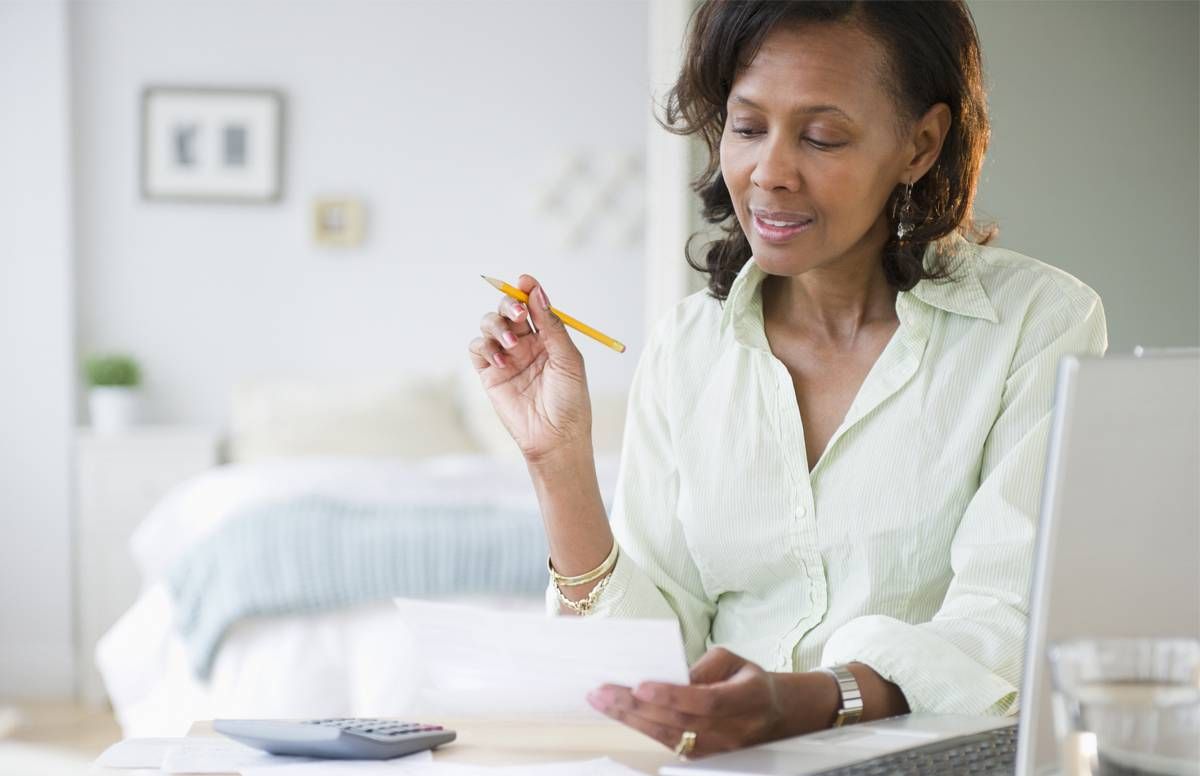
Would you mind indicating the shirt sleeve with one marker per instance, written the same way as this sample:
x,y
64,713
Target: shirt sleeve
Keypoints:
x,y
967,660
655,576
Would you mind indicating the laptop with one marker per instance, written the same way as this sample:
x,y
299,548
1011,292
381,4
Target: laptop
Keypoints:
x,y
1118,554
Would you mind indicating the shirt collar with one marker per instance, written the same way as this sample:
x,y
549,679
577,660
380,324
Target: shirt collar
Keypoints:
x,y
961,293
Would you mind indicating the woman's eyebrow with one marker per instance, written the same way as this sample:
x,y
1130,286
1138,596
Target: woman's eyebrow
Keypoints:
x,y
737,98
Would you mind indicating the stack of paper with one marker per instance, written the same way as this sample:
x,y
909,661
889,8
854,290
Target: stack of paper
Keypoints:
x,y
601,767
220,755
216,755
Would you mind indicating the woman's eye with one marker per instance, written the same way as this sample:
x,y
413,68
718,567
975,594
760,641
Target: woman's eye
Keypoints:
x,y
821,145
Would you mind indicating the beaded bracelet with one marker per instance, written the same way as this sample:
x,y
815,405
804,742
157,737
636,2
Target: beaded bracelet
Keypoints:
x,y
583,605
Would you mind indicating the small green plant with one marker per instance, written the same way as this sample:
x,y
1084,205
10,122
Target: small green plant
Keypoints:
x,y
117,371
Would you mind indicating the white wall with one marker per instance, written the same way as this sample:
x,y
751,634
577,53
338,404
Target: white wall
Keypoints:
x,y
36,349
672,212
1095,153
442,115
1092,167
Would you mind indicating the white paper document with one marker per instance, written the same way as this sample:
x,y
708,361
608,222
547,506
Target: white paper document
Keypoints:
x,y
209,754
601,767
137,753
405,766
528,663
412,765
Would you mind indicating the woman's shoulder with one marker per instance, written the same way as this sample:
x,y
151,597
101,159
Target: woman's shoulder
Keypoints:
x,y
694,321
685,341
1037,303
1014,282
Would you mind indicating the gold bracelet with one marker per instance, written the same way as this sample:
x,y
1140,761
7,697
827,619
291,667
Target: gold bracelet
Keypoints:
x,y
583,605
591,576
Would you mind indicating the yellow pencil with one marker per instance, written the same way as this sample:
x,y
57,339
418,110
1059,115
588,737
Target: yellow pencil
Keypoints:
x,y
579,326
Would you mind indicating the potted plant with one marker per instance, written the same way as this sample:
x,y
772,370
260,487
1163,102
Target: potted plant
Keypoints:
x,y
113,382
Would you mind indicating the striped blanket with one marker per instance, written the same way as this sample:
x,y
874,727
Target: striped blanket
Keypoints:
x,y
315,553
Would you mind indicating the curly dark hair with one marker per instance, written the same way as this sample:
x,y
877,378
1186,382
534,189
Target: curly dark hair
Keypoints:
x,y
933,53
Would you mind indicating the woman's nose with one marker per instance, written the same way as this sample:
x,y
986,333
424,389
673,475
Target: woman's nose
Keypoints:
x,y
775,166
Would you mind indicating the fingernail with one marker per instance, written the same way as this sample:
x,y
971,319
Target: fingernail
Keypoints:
x,y
508,339
518,310
498,360
542,299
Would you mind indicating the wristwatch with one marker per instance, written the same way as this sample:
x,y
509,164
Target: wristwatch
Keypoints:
x,y
852,706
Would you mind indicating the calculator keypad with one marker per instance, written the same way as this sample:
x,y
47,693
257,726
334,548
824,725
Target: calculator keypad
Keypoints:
x,y
376,728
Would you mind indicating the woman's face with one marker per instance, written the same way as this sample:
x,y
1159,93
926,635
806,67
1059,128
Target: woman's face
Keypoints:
x,y
811,148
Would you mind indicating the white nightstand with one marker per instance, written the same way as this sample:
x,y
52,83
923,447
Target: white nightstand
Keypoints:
x,y
120,477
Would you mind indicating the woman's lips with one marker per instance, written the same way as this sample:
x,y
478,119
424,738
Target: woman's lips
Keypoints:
x,y
777,232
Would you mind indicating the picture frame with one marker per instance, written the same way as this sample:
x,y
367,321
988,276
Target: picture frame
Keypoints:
x,y
338,222
212,144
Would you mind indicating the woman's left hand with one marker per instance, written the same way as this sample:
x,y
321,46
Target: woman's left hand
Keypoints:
x,y
731,703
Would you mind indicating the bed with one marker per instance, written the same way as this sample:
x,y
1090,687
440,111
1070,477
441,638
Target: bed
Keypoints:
x,y
267,582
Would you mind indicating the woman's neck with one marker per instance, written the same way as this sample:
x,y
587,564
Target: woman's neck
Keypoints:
x,y
831,304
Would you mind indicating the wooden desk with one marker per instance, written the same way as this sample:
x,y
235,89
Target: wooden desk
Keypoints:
x,y
518,740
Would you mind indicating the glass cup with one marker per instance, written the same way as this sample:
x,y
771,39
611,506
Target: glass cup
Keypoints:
x,y
1127,707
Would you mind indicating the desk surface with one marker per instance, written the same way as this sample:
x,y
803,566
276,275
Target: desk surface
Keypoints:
x,y
518,740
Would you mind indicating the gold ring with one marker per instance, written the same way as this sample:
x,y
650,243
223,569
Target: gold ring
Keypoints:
x,y
687,742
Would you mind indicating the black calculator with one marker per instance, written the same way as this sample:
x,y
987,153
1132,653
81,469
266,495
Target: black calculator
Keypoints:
x,y
336,739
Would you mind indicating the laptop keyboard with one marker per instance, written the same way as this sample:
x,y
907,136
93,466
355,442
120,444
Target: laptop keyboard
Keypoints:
x,y
991,753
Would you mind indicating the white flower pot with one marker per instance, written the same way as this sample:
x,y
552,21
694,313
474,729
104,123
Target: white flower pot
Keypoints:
x,y
113,409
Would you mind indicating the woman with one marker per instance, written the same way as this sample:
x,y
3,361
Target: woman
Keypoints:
x,y
833,457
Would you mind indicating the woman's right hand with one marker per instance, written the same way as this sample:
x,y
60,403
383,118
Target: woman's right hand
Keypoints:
x,y
536,382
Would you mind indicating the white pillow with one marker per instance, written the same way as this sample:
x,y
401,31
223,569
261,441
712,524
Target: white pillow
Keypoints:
x,y
481,421
392,416
485,428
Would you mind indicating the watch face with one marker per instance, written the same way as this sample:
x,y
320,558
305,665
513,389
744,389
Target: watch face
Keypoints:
x,y
847,718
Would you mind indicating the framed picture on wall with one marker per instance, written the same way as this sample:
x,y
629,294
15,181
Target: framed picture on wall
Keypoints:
x,y
212,144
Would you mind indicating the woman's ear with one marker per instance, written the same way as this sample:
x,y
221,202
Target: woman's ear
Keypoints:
x,y
928,135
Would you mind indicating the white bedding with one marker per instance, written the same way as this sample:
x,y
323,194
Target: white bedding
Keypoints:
x,y
349,662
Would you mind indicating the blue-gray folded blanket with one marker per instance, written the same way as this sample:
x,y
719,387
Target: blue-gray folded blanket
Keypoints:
x,y
316,553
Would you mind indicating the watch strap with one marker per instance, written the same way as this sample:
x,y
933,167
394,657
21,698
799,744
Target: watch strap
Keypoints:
x,y
852,705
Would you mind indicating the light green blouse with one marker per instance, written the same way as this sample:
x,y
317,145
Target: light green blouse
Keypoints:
x,y
909,545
